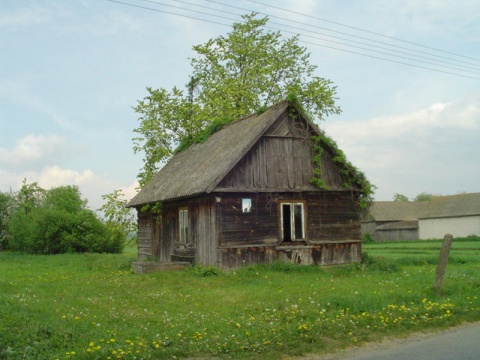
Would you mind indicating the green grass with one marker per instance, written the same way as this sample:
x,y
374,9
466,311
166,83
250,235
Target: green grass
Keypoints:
x,y
463,249
91,306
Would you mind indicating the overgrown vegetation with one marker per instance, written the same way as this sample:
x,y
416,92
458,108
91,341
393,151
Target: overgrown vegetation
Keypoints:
x,y
90,306
118,218
354,178
204,134
55,221
233,76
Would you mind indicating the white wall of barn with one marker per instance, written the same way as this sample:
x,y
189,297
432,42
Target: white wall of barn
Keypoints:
x,y
457,226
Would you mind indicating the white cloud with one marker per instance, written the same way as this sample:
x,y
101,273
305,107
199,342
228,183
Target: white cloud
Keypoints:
x,y
131,190
35,151
91,185
409,127
425,150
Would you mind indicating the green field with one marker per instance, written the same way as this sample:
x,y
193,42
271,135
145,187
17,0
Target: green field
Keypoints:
x,y
463,249
91,306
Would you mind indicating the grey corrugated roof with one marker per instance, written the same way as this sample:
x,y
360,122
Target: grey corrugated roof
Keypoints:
x,y
452,206
200,167
395,210
438,207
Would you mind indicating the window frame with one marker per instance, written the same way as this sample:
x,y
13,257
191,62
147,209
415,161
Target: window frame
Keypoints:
x,y
293,221
183,226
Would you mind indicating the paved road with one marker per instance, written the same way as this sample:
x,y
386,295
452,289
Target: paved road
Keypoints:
x,y
461,343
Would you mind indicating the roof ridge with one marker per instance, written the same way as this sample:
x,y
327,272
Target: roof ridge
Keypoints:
x,y
256,113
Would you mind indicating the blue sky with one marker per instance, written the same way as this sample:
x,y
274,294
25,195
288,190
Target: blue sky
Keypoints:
x,y
70,73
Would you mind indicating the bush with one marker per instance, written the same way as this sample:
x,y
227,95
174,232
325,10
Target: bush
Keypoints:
x,y
50,231
61,223
367,238
377,264
6,206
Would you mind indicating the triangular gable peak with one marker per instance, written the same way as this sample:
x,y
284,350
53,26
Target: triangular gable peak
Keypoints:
x,y
281,160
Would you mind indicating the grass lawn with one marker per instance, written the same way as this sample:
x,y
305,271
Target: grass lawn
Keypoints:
x,y
91,306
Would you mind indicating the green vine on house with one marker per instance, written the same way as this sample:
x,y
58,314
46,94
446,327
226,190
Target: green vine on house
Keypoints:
x,y
354,177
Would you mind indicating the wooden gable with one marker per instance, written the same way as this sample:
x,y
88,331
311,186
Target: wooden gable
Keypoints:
x,y
281,160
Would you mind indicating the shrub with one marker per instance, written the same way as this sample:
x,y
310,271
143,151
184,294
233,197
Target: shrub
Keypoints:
x,y
61,223
367,238
377,264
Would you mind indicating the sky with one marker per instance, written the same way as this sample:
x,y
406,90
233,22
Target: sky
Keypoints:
x,y
407,76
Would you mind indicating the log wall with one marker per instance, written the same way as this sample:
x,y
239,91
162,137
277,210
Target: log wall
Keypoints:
x,y
329,216
144,236
202,229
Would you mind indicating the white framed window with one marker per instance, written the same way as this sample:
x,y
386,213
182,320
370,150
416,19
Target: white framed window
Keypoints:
x,y
183,225
292,221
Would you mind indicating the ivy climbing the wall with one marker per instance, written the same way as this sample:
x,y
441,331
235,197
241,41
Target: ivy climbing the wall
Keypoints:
x,y
319,141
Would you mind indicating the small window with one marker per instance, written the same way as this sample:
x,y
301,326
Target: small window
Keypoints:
x,y
292,218
183,225
247,205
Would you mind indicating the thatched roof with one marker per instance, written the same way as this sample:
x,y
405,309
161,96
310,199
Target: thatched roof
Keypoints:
x,y
199,168
438,207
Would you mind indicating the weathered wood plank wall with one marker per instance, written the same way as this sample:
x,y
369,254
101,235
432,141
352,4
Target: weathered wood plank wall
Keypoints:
x,y
282,164
144,236
325,254
260,226
329,216
275,163
204,231
396,235
202,228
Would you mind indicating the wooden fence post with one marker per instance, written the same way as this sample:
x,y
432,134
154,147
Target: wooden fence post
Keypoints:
x,y
442,261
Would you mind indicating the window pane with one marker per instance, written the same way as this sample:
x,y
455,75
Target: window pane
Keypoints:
x,y
183,225
185,219
286,220
298,220
246,205
180,222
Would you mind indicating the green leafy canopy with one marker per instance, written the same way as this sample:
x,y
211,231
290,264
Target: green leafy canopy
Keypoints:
x,y
55,221
234,75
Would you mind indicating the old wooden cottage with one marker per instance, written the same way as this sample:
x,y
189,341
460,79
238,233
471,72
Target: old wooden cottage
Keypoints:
x,y
245,196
